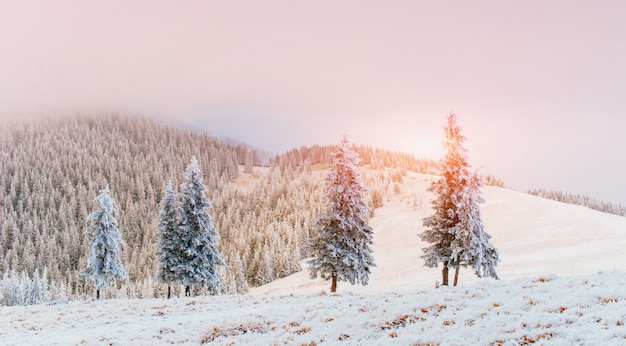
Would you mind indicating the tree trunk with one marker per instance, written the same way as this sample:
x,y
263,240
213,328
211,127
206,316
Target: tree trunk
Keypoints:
x,y
187,291
456,274
97,294
169,291
333,284
444,273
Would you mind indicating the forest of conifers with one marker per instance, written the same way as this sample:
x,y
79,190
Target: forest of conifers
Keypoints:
x,y
52,168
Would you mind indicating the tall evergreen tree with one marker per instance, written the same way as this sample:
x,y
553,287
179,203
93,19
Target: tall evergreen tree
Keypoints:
x,y
455,230
341,244
168,232
104,265
12,289
199,256
471,246
39,291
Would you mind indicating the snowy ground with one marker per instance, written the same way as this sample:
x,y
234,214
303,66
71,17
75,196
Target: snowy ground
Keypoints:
x,y
582,310
537,239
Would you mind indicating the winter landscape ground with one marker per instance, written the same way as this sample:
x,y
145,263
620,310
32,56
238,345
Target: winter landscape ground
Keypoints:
x,y
562,270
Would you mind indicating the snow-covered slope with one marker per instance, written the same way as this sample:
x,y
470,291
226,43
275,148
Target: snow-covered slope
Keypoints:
x,y
587,310
535,236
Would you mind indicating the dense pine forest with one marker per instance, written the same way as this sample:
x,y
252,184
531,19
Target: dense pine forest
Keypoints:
x,y
52,168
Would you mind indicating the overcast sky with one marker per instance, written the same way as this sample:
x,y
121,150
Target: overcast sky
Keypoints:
x,y
539,86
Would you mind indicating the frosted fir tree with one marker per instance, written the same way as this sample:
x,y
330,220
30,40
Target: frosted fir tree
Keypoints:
x,y
103,264
455,230
197,250
12,289
471,246
341,246
39,290
168,232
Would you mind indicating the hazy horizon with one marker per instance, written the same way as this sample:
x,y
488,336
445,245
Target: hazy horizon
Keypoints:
x,y
538,86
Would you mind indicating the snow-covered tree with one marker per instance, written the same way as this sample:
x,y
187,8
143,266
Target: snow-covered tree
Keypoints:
x,y
471,246
103,264
19,289
198,255
39,290
168,232
342,238
12,293
25,288
455,230
249,162
59,292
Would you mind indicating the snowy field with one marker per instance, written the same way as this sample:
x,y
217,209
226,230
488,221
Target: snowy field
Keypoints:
x,y
562,269
582,310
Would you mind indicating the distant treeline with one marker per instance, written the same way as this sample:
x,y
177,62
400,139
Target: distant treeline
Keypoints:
x,y
585,201
376,158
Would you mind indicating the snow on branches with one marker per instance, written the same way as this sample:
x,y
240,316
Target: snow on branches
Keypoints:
x,y
341,244
187,244
455,230
104,265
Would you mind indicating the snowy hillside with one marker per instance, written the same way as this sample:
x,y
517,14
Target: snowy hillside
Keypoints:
x,y
585,310
535,236
542,243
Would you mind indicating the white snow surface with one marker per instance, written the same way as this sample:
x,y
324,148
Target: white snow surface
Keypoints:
x,y
581,310
562,270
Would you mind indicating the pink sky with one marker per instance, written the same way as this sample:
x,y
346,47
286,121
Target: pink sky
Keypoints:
x,y
539,86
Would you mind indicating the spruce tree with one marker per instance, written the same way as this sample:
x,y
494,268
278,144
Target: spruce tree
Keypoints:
x,y
198,253
12,292
471,246
39,290
168,233
455,230
103,264
342,238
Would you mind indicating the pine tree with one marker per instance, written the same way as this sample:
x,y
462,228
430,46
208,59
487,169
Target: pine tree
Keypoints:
x,y
199,256
342,238
59,292
168,232
11,290
455,230
103,264
39,291
25,288
241,285
249,162
471,246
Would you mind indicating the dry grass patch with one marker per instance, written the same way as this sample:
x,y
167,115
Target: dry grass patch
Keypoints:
x,y
607,300
302,330
401,321
234,330
559,310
